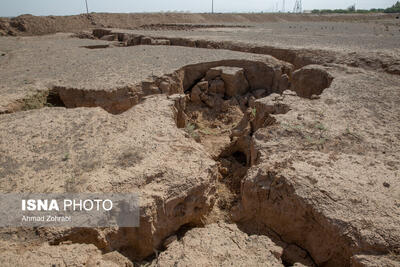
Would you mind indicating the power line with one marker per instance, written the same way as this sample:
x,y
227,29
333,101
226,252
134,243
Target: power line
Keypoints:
x,y
87,8
298,7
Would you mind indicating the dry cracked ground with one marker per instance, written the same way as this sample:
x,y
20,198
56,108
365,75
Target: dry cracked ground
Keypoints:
x,y
254,144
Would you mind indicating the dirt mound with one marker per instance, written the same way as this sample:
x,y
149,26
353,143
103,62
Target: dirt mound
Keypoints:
x,y
33,25
220,245
63,256
111,154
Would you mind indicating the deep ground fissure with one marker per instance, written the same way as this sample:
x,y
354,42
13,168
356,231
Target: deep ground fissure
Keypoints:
x,y
219,111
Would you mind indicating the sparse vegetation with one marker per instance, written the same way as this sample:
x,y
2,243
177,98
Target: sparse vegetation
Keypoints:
x,y
66,157
41,99
254,112
352,133
191,130
36,101
315,141
207,131
352,9
312,133
320,127
393,9
294,128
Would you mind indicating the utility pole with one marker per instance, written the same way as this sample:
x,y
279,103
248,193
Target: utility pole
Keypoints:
x,y
87,8
283,6
298,7
212,6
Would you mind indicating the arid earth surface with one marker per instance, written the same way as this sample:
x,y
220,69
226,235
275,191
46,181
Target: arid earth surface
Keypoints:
x,y
252,139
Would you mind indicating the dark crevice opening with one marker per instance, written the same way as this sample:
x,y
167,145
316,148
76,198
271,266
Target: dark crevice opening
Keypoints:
x,y
96,46
180,233
53,99
184,229
240,157
189,90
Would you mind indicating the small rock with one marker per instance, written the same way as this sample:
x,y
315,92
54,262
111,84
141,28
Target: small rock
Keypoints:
x,y
294,254
385,184
223,170
12,33
275,97
134,41
217,86
210,102
284,82
161,42
164,87
204,97
213,73
235,81
195,95
203,86
310,80
225,106
110,37
154,89
197,138
314,97
259,93
289,92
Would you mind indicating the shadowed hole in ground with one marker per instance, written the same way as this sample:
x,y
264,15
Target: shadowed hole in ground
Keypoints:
x,y
96,46
184,27
53,99
240,157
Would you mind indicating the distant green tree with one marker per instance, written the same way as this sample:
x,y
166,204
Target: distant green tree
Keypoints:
x,y
352,9
394,9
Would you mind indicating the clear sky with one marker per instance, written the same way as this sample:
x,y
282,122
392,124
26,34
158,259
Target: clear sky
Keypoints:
x,y
69,7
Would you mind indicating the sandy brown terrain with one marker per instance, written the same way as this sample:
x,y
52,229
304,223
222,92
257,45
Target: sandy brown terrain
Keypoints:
x,y
31,25
253,140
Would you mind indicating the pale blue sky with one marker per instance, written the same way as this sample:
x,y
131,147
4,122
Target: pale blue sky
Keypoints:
x,y
69,7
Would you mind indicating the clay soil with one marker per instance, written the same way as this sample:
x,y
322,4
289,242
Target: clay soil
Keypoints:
x,y
252,139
